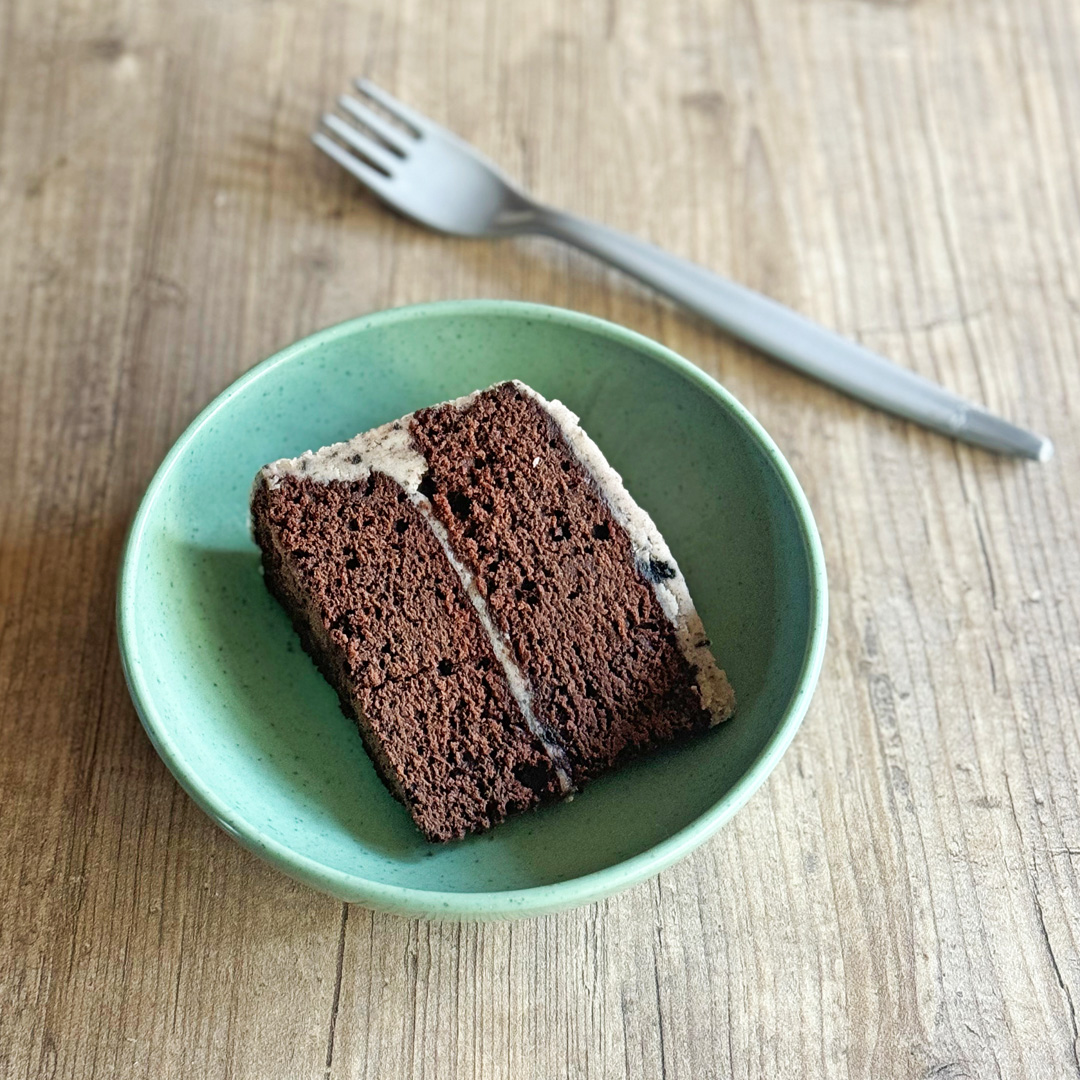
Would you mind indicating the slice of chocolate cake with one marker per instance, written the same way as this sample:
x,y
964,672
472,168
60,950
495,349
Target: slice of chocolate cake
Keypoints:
x,y
499,616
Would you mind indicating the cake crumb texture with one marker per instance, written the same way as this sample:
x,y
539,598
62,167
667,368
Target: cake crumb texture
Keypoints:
x,y
501,619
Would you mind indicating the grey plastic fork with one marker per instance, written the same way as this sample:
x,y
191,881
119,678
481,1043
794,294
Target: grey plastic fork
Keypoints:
x,y
430,175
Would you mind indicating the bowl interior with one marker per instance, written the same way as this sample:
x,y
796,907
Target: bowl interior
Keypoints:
x,y
253,731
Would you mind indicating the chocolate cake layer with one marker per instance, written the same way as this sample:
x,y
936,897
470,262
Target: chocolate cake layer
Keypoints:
x,y
498,614
560,578
386,618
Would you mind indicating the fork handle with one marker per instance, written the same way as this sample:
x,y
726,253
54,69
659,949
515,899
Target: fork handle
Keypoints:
x,y
794,339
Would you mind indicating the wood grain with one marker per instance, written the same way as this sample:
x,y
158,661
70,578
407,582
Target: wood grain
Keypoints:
x,y
901,899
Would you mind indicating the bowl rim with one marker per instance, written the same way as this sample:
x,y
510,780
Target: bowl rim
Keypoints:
x,y
540,899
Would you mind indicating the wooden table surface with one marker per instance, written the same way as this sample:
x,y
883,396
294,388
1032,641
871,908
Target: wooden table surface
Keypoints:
x,y
901,899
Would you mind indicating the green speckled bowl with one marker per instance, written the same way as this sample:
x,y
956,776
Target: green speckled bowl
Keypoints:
x,y
254,734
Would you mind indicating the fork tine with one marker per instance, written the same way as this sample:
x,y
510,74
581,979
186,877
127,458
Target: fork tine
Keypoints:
x,y
363,172
395,108
374,151
393,136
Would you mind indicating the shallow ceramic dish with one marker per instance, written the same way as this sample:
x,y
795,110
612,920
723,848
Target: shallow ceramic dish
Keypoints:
x,y
254,734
